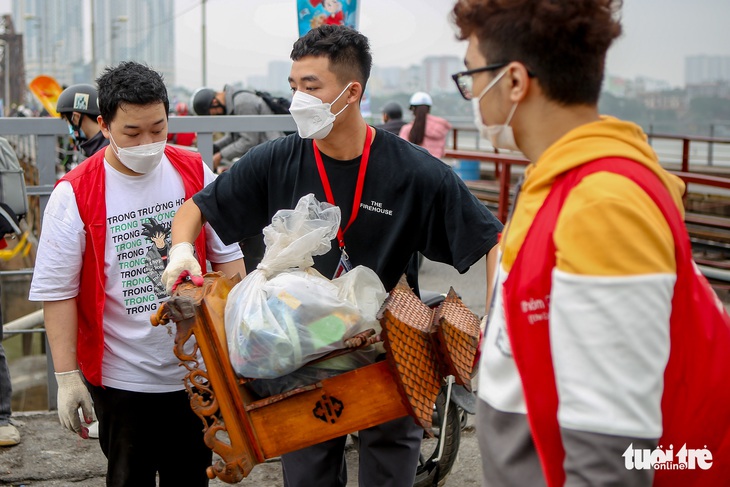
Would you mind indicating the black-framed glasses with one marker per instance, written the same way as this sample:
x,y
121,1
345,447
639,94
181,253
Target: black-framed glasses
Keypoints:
x,y
464,80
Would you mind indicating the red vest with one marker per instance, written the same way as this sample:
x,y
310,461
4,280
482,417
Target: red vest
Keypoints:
x,y
696,398
89,184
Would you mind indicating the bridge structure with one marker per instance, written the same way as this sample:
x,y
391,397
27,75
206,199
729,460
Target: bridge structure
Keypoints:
x,y
12,81
703,163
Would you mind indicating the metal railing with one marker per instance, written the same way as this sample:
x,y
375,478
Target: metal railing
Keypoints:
x,y
502,172
691,171
709,142
503,164
691,150
36,140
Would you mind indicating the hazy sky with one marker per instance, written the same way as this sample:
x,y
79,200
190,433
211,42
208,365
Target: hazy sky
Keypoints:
x,y
244,35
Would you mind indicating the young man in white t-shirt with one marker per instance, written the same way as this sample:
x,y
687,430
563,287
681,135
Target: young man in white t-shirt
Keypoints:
x,y
103,246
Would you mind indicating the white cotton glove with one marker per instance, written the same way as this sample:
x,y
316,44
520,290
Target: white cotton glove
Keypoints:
x,y
72,395
180,259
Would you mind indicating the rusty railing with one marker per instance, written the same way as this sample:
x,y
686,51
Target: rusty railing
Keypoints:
x,y
503,166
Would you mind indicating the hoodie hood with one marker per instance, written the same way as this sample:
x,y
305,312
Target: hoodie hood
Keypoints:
x,y
607,137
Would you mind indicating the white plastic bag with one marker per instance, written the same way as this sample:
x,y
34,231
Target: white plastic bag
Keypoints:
x,y
285,313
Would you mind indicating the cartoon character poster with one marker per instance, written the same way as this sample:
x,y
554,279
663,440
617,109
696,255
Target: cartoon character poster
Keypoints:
x,y
313,13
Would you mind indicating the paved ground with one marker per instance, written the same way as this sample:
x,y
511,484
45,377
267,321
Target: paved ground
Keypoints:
x,y
49,456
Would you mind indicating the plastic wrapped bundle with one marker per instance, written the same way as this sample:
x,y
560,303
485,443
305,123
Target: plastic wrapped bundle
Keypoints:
x,y
285,313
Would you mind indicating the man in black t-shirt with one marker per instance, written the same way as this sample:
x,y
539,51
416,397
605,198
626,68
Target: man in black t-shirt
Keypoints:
x,y
406,200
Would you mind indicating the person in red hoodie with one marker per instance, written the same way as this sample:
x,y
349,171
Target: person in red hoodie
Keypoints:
x,y
426,130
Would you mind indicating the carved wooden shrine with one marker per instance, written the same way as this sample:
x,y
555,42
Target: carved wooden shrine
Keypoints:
x,y
422,345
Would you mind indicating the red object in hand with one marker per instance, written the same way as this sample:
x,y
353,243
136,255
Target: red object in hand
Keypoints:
x,y
186,276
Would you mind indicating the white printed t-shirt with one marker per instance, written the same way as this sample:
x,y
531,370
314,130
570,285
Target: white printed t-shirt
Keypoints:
x,y
137,356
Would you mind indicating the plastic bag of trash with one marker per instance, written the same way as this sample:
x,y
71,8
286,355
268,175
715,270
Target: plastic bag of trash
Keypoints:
x,y
285,313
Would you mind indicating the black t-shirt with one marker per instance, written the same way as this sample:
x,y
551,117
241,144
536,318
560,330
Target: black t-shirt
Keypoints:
x,y
411,202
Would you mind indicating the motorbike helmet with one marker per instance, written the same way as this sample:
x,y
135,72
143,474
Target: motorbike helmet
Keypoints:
x,y
80,98
201,100
421,98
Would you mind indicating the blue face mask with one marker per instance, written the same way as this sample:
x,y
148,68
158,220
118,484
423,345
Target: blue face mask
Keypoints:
x,y
76,132
82,136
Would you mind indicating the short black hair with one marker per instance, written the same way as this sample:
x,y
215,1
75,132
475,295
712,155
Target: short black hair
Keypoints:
x,y
129,82
348,51
393,110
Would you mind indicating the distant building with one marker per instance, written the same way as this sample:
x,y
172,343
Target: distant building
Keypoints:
x,y
673,100
437,72
135,30
278,78
642,84
411,79
386,80
433,75
258,82
719,89
139,30
615,85
634,88
54,43
706,69
392,80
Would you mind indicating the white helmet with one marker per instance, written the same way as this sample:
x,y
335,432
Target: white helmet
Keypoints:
x,y
421,98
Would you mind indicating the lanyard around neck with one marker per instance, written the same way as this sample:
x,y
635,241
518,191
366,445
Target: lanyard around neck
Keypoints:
x,y
358,187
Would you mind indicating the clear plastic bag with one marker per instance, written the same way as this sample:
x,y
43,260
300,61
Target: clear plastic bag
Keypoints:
x,y
285,313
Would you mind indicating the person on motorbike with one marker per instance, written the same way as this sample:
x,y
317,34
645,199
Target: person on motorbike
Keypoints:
x,y
230,101
79,106
392,214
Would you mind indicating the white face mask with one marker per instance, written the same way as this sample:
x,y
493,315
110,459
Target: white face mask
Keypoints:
x,y
500,136
313,117
141,158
